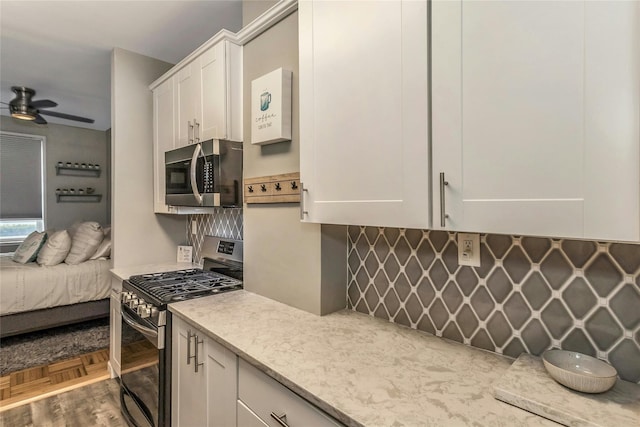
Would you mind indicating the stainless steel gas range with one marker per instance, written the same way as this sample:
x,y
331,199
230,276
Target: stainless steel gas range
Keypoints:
x,y
145,392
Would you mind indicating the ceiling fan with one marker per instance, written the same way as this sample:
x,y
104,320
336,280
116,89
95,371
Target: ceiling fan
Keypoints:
x,y
23,108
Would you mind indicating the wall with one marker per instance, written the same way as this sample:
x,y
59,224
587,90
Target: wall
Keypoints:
x,y
284,258
529,294
136,229
69,144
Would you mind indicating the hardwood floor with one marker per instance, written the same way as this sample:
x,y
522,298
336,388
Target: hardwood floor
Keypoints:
x,y
71,392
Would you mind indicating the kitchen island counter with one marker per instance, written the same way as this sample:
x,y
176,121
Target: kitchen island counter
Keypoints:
x,y
361,370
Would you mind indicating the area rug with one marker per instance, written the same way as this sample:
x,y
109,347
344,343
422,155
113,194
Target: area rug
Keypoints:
x,y
51,345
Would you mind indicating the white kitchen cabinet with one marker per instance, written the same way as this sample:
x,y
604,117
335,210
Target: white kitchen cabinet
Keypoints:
x,y
364,150
535,118
203,379
262,397
198,100
208,96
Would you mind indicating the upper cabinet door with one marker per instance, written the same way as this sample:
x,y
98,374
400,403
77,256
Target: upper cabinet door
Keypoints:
x,y
212,104
186,93
535,118
364,112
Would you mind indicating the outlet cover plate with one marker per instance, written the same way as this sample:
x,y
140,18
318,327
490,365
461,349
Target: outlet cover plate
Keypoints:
x,y
469,249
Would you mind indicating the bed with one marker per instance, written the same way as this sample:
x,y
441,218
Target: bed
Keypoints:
x,y
34,297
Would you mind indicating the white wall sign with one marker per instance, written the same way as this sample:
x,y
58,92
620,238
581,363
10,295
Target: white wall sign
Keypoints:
x,y
271,108
185,254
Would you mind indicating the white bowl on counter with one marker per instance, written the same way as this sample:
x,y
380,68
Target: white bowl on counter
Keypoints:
x,y
579,371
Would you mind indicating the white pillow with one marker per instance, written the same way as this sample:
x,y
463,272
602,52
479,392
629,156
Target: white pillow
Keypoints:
x,y
84,242
104,250
74,228
28,249
56,249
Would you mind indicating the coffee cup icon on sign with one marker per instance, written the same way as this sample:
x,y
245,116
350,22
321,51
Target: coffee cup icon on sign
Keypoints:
x,y
265,100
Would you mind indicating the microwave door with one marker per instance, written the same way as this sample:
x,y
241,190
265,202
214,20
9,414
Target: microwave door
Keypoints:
x,y
179,177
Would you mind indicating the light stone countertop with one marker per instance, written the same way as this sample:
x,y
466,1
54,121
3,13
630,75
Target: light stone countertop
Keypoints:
x,y
527,385
123,273
361,370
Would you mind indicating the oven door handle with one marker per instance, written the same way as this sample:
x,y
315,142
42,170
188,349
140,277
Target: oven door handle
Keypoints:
x,y
194,183
138,327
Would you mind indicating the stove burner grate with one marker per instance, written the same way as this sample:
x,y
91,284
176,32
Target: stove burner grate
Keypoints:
x,y
183,284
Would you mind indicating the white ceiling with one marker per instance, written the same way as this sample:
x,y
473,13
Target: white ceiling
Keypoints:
x,y
62,49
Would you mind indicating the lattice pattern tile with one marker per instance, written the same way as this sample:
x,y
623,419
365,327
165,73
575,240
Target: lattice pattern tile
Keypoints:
x,y
224,222
530,294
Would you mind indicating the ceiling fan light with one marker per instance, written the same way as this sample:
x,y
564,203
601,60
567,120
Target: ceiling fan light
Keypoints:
x,y
23,116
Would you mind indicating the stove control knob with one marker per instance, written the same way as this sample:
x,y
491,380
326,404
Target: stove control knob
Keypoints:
x,y
126,296
153,310
133,302
144,311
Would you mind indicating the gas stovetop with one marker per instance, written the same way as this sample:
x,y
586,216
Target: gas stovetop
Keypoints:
x,y
180,285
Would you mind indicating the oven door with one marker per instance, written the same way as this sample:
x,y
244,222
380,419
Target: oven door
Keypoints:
x,y
142,375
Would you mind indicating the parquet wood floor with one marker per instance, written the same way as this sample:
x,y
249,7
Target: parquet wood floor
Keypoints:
x,y
36,383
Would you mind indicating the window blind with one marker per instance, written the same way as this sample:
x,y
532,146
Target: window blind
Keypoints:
x,y
20,176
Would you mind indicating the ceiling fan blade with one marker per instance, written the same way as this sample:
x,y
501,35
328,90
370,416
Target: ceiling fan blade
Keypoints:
x,y
40,120
44,103
67,116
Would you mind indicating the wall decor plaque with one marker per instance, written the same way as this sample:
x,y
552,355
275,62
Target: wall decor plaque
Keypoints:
x,y
271,108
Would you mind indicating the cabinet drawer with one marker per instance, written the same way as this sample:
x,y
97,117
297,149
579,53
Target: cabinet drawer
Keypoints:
x,y
246,417
263,396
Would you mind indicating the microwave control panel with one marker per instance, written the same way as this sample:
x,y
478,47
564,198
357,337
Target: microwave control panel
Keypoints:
x,y
208,177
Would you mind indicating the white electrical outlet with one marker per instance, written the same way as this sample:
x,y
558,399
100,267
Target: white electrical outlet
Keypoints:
x,y
469,249
194,227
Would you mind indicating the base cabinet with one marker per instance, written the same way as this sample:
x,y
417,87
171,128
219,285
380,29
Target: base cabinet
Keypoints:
x,y
203,379
264,401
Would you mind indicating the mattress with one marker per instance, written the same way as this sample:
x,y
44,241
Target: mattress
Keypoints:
x,y
27,287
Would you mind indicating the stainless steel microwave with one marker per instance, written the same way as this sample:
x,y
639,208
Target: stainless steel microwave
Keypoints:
x,y
205,174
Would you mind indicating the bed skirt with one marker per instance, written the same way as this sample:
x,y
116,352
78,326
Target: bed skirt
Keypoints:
x,y
30,321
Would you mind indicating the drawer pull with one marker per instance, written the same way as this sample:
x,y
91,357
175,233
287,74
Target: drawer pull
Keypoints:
x,y
280,419
197,342
443,213
189,357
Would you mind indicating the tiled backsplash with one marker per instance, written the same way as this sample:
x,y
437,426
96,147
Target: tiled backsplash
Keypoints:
x,y
224,222
529,294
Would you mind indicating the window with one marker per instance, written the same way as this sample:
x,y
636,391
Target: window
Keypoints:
x,y
21,186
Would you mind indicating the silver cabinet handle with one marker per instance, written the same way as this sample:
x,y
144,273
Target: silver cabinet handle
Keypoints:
x,y
280,419
196,137
443,214
189,336
303,212
190,132
197,341
194,182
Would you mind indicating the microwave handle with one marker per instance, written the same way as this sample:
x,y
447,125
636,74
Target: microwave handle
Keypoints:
x,y
194,182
